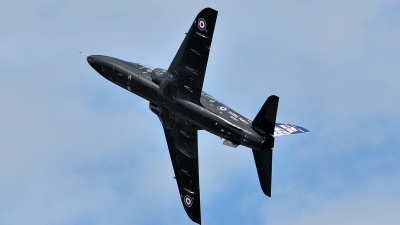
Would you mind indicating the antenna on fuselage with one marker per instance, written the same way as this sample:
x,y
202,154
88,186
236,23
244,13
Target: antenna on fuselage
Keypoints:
x,y
84,54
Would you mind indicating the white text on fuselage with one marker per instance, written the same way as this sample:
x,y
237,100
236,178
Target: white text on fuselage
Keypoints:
x,y
236,117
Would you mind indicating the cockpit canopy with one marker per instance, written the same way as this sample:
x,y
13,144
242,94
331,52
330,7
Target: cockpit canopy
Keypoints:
x,y
158,75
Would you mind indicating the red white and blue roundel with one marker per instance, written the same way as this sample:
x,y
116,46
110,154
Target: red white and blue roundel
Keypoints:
x,y
222,108
188,201
202,24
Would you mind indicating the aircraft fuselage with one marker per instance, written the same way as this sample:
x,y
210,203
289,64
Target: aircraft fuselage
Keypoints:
x,y
211,115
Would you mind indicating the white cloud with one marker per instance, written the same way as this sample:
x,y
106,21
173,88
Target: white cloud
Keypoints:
x,y
375,202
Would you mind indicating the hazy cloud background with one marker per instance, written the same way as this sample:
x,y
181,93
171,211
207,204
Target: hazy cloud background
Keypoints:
x,y
76,149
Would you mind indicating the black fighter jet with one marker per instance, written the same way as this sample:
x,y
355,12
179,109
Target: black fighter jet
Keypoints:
x,y
175,95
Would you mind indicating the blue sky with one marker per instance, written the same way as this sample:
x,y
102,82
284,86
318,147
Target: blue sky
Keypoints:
x,y
76,149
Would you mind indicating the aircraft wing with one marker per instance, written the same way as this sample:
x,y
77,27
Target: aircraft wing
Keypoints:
x,y
286,129
182,144
190,62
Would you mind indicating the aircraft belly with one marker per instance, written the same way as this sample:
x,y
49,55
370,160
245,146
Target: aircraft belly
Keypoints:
x,y
217,125
220,109
142,88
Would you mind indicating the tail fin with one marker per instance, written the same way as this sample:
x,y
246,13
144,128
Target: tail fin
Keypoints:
x,y
264,124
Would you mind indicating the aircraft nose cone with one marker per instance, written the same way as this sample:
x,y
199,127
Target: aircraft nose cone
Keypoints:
x,y
97,59
96,62
90,59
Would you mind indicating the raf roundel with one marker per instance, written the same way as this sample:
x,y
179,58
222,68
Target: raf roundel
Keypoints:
x,y
202,24
222,108
188,201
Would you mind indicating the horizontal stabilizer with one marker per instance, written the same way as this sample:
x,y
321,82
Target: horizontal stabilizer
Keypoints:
x,y
264,122
263,160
